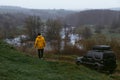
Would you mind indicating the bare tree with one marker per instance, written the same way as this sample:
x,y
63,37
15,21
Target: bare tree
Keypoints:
x,y
33,26
86,33
67,32
7,30
53,34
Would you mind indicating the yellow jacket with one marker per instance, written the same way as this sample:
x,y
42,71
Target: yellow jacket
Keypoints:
x,y
40,42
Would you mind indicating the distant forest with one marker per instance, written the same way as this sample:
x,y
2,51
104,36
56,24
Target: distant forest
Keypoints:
x,y
15,17
93,17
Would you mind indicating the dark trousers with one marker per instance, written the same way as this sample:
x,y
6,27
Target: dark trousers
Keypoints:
x,y
40,53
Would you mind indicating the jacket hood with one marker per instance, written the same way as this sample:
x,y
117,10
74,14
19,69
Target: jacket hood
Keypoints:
x,y
39,36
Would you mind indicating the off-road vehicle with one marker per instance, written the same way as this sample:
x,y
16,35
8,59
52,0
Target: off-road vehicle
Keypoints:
x,y
101,57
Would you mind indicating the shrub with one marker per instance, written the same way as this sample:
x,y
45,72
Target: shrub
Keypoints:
x,y
102,40
72,50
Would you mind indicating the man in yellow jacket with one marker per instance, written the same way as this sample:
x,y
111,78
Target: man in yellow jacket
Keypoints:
x,y
40,44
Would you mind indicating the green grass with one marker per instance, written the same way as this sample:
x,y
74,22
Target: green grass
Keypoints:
x,y
15,65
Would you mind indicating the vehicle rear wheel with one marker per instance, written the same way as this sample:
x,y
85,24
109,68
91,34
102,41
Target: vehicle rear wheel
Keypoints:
x,y
77,62
111,71
97,67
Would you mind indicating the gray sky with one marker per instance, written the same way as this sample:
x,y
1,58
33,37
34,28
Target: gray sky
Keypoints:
x,y
62,4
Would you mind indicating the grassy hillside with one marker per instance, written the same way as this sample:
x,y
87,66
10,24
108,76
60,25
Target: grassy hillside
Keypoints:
x,y
17,66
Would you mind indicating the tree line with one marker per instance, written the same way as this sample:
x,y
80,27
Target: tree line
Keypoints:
x,y
52,28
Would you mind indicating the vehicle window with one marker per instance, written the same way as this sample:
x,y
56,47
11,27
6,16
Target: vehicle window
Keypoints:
x,y
89,54
109,55
98,55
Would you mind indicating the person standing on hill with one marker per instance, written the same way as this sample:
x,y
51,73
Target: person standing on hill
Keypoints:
x,y
40,44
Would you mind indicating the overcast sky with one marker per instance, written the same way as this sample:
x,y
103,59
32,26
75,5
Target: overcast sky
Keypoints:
x,y
62,4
